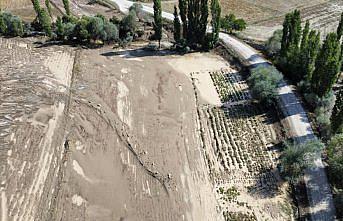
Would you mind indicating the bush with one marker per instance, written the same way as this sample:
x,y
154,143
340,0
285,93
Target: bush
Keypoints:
x,y
128,25
11,25
264,81
273,45
298,157
229,23
335,160
323,110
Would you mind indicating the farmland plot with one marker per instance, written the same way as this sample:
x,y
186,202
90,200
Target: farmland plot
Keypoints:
x,y
242,154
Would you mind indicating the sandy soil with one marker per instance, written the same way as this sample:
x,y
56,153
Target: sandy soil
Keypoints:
x,y
131,135
134,141
34,96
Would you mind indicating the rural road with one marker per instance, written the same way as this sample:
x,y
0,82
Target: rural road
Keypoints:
x,y
295,118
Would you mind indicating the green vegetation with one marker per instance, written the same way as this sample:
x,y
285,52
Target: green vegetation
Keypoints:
x,y
337,115
230,23
48,7
335,159
296,158
273,45
215,22
10,25
66,7
264,81
158,21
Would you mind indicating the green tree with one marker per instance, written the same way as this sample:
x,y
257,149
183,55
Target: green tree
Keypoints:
x,y
197,22
81,31
48,7
158,21
45,22
59,28
340,28
95,28
337,114
311,52
183,14
285,35
296,158
264,81
36,6
273,45
177,26
128,25
328,64
295,30
3,25
215,22
335,159
305,36
66,7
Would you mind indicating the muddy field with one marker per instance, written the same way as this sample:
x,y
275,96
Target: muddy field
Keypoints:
x,y
108,134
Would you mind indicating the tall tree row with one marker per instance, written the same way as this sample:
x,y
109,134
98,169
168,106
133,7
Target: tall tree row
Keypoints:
x,y
302,58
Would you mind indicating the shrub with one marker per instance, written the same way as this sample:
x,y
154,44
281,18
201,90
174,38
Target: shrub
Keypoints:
x,y
273,45
335,160
229,23
11,25
128,25
298,157
264,81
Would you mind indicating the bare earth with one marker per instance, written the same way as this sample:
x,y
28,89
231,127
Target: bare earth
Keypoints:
x,y
132,135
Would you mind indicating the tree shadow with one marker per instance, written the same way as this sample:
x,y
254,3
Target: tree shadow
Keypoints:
x,y
139,53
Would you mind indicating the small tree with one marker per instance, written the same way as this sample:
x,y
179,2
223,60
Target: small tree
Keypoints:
x,y
296,158
95,28
128,25
177,26
158,21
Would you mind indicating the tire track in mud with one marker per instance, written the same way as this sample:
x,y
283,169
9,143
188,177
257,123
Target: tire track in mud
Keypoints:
x,y
124,137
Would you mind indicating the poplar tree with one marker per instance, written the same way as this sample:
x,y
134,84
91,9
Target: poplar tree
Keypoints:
x,y
285,35
158,21
197,21
183,6
48,7
215,13
311,52
45,22
36,6
327,68
305,36
66,7
337,114
177,26
295,30
340,28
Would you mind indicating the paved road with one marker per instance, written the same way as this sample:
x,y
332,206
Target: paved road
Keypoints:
x,y
295,117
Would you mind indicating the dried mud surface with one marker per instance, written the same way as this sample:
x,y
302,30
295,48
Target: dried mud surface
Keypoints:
x,y
108,134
